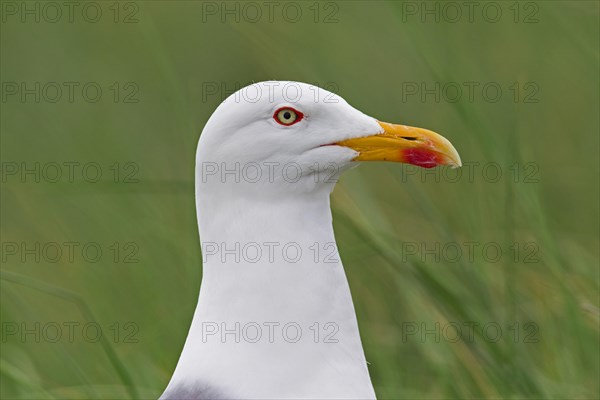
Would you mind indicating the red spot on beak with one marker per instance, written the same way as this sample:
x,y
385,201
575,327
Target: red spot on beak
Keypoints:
x,y
422,157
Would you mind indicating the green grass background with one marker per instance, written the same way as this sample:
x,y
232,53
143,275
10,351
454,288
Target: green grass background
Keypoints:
x,y
367,55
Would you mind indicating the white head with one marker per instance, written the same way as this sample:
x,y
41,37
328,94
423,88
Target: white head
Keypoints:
x,y
287,137
267,159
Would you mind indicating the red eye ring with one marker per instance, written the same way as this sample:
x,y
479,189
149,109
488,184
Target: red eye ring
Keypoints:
x,y
287,116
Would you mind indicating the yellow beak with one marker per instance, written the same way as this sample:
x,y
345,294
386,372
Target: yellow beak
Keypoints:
x,y
405,144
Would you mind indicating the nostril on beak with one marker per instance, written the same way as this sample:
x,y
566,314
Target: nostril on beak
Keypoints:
x,y
408,137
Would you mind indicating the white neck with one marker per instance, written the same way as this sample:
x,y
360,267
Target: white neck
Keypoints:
x,y
275,317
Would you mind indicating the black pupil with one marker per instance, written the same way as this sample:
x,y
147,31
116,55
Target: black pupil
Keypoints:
x,y
287,115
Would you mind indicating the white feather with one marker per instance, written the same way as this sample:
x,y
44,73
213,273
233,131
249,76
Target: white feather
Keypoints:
x,y
273,209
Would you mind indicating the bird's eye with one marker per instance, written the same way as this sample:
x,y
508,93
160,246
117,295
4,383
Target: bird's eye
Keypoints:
x,y
287,116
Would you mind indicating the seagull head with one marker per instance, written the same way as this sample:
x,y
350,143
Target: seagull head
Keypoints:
x,y
291,136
